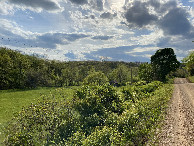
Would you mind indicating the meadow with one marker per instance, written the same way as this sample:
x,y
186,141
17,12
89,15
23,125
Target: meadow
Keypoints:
x,y
12,101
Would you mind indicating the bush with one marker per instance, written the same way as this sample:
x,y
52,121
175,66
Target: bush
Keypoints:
x,y
94,103
97,115
48,122
103,136
180,73
140,90
104,96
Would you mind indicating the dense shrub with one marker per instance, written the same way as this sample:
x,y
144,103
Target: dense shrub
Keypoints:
x,y
47,122
97,115
140,90
95,103
104,96
106,136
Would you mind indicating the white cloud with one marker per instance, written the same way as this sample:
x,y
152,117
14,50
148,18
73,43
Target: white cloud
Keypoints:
x,y
6,8
143,49
151,38
38,5
82,31
116,5
9,27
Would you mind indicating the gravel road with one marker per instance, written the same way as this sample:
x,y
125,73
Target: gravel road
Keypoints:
x,y
178,126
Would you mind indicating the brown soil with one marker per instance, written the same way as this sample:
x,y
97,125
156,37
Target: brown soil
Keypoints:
x,y
178,126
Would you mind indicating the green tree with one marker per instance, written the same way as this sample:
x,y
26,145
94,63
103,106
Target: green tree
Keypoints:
x,y
95,78
189,62
121,74
164,61
6,67
145,72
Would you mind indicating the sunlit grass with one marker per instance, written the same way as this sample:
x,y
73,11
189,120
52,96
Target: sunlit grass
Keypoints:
x,y
12,101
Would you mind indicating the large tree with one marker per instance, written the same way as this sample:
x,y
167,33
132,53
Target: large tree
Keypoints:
x,y
164,61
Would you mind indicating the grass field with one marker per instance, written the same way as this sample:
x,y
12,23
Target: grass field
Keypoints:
x,y
12,101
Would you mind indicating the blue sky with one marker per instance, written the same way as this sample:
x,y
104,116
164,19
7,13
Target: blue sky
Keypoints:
x,y
118,30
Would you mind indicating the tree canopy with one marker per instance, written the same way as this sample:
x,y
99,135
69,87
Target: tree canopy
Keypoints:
x,y
164,61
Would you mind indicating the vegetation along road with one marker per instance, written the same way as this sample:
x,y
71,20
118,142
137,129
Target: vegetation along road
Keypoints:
x,y
178,127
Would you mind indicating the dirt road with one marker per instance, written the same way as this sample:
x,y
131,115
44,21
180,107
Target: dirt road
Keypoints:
x,y
178,127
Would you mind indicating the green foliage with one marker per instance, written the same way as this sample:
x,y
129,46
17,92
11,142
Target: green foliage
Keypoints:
x,y
97,115
103,136
135,93
189,61
180,73
13,67
104,96
137,122
94,104
164,61
95,78
146,72
47,122
24,71
191,79
121,75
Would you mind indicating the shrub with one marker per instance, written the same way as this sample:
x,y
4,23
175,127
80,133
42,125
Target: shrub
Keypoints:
x,y
48,122
103,136
97,115
103,96
94,103
136,92
181,73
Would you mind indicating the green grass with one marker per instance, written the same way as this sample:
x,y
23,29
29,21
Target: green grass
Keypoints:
x,y
12,101
191,79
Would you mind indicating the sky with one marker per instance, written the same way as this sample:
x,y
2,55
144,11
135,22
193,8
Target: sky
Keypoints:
x,y
113,30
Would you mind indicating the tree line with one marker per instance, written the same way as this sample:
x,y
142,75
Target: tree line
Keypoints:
x,y
29,71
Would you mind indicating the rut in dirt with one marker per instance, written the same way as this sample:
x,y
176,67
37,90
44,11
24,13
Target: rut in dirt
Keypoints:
x,y
178,126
